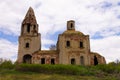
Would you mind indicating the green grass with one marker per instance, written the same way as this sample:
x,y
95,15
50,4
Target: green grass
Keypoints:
x,y
40,76
58,69
9,71
44,77
16,75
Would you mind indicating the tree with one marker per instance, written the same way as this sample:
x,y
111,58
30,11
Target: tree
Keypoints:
x,y
52,47
117,61
1,60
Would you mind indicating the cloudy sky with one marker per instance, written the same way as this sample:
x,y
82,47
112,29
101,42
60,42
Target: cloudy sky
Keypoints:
x,y
98,18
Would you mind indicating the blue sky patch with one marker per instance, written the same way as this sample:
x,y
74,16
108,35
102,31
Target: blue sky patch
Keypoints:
x,y
55,36
118,3
97,36
118,16
10,38
118,34
46,46
38,5
106,5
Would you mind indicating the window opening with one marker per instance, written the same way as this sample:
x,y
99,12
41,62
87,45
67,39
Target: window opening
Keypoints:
x,y
68,43
42,60
72,61
34,27
81,44
52,61
27,45
82,60
71,25
28,28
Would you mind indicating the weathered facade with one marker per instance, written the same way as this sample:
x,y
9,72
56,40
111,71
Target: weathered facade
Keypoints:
x,y
73,47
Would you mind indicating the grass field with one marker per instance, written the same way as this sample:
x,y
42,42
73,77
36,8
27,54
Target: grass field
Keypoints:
x,y
16,75
12,75
45,77
9,71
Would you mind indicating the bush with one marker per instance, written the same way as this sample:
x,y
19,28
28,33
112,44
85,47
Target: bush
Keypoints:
x,y
99,70
58,69
108,68
7,64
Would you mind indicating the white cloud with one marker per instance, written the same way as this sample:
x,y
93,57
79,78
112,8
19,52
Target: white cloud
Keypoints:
x,y
8,50
108,47
91,16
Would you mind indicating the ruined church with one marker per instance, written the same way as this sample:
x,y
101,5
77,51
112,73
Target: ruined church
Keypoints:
x,y
73,47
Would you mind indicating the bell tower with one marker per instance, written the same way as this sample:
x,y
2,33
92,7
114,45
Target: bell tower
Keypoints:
x,y
30,39
70,25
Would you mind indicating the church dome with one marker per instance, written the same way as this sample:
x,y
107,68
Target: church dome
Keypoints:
x,y
73,32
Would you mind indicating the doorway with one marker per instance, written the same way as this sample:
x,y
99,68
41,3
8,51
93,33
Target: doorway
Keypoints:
x,y
52,61
72,61
27,58
42,60
95,60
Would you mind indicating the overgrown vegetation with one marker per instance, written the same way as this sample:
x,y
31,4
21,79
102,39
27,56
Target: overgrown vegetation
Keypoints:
x,y
57,69
109,71
7,64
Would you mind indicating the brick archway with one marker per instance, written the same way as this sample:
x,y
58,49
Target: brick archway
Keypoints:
x,y
27,58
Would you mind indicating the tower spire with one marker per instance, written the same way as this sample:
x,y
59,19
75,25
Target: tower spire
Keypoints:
x,y
29,24
30,38
30,17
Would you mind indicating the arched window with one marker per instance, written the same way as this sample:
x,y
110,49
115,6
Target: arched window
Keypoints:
x,y
27,45
71,25
82,60
28,28
81,44
68,43
72,61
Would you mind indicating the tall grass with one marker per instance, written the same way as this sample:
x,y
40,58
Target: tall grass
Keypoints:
x,y
98,70
58,69
108,68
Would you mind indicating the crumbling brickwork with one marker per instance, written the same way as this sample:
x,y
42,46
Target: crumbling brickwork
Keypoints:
x,y
73,47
